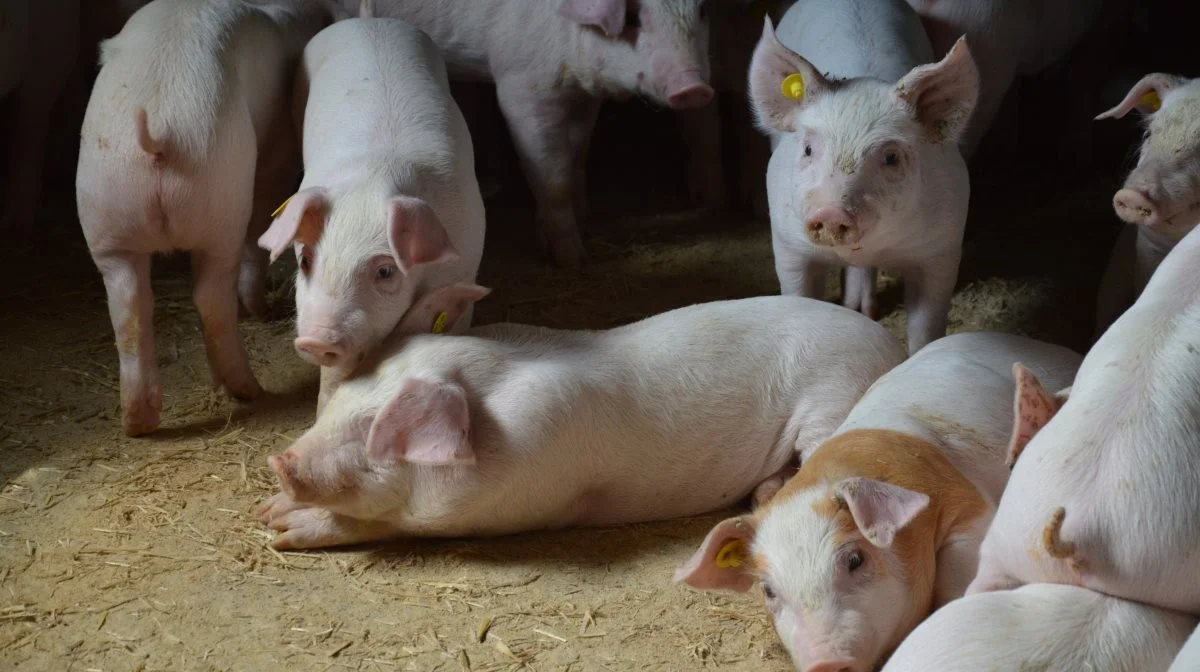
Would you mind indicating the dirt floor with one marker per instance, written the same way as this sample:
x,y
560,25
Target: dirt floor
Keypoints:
x,y
131,554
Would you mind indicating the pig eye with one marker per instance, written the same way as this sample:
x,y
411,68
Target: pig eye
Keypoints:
x,y
808,150
385,272
632,20
305,261
891,159
768,591
854,561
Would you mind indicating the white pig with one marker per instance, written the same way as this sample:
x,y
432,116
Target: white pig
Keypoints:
x,y
178,152
883,522
1044,626
1160,200
389,206
865,172
1104,493
1188,659
515,428
553,62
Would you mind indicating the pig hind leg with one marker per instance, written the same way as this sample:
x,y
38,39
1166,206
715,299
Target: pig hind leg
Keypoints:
x,y
215,275
131,308
858,289
579,134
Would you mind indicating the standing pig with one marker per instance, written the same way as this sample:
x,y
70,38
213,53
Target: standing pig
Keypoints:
x,y
1104,494
865,171
180,152
515,428
1161,196
389,206
882,523
553,62
1044,626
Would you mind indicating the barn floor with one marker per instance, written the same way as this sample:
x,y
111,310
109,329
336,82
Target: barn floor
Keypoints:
x,y
131,554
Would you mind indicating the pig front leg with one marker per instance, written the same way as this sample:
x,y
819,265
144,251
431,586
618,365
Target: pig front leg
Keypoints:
x,y
313,527
957,562
927,294
539,126
214,292
131,308
800,274
701,128
858,289
579,133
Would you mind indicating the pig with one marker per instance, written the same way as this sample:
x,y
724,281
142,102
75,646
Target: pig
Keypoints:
x,y
1103,491
882,523
513,428
38,49
389,206
865,171
1160,200
1009,39
1188,659
553,62
183,152
1044,626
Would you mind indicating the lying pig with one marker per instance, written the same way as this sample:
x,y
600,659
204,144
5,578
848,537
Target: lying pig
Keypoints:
x,y
553,62
1103,494
515,428
1188,659
882,523
1161,196
1044,626
865,171
389,206
179,152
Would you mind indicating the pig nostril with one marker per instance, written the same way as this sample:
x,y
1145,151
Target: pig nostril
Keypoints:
x,y
816,226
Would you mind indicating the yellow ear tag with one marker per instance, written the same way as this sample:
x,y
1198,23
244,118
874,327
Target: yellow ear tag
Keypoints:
x,y
1150,99
731,555
281,207
439,324
793,86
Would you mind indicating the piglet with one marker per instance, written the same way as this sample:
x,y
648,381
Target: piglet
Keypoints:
x,y
1044,626
515,428
1103,494
1160,200
180,152
553,62
865,171
882,523
389,206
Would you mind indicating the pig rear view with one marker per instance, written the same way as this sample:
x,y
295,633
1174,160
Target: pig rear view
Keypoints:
x,y
865,171
1044,626
178,152
389,206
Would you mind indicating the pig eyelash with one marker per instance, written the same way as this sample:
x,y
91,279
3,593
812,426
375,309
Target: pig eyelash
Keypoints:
x,y
305,261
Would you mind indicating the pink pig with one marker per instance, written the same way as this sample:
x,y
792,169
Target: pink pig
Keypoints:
x,y
1103,494
553,62
181,152
389,206
882,523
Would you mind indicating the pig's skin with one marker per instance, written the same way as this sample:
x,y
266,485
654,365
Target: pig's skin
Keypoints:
x,y
36,84
175,155
678,414
1044,626
1103,495
911,215
396,133
936,427
551,75
1188,659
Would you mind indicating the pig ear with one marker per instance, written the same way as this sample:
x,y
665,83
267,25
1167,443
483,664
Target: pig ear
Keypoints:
x,y
453,300
781,82
723,559
607,15
416,234
1033,407
303,218
425,423
880,509
1145,96
943,94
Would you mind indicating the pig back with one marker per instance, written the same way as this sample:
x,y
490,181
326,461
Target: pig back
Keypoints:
x,y
857,38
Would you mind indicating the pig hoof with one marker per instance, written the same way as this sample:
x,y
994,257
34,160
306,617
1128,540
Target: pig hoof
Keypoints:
x,y
140,419
278,505
245,390
304,528
568,252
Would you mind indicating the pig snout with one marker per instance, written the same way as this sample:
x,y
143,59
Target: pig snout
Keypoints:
x,y
1135,207
687,90
323,349
833,225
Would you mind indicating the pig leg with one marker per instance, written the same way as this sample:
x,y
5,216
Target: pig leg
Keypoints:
x,y
752,169
277,174
1117,286
770,487
277,506
214,292
579,134
858,289
927,294
701,130
800,274
1150,250
539,129
131,308
320,528
957,563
